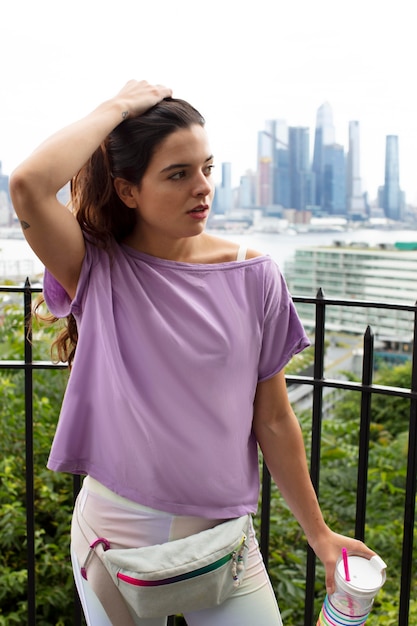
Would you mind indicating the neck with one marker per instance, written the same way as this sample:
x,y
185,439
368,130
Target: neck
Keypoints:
x,y
186,250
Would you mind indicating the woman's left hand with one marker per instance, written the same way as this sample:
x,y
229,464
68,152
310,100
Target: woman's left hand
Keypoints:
x,y
328,548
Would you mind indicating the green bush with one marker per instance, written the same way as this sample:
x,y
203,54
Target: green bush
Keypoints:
x,y
53,495
338,482
53,492
53,503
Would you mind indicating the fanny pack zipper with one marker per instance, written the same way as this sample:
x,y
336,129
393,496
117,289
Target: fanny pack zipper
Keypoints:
x,y
236,556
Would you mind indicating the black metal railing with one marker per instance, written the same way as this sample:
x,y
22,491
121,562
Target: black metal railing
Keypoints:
x,y
366,388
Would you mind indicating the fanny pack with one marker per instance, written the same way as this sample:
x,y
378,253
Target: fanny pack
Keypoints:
x,y
190,574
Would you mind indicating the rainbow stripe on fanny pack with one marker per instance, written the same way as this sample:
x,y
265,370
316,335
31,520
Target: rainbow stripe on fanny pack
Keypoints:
x,y
234,556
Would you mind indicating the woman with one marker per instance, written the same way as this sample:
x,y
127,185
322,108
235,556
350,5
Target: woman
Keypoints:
x,y
182,340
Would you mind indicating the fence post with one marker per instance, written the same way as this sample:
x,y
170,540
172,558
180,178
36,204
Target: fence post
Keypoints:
x,y
366,395
265,514
315,442
30,499
410,496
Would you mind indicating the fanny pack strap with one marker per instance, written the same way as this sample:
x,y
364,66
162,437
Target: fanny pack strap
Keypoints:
x,y
100,580
92,539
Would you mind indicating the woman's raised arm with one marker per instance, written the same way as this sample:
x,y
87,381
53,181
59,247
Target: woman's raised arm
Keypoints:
x,y
49,227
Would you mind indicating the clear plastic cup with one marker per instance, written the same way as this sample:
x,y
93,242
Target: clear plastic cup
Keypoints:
x,y
352,600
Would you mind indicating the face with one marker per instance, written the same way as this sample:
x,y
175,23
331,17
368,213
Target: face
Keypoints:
x,y
175,195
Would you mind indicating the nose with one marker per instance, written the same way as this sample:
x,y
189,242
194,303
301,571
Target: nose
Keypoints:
x,y
203,185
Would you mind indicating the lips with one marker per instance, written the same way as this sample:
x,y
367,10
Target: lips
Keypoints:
x,y
199,209
199,212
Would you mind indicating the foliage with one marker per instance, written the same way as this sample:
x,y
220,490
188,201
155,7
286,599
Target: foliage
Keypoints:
x,y
301,362
338,482
53,492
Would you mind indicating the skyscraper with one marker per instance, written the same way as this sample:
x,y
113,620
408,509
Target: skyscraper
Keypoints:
x,y
273,179
324,136
223,199
355,199
6,216
301,176
280,174
247,190
265,168
333,200
392,197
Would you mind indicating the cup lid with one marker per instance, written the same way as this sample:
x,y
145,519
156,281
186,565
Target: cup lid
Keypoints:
x,y
366,575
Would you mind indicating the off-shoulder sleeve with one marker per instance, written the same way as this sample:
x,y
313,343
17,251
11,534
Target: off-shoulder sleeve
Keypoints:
x,y
57,300
283,332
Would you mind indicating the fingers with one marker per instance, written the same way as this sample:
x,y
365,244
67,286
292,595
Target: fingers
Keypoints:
x,y
331,551
330,586
139,96
145,88
167,91
354,546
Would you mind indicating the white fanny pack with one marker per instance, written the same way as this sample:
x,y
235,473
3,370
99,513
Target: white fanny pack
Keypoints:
x,y
190,574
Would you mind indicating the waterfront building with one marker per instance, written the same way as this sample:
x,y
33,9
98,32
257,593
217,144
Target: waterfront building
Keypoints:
x,y
355,199
392,196
386,273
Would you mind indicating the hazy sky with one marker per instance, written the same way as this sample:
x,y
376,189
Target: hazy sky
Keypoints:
x,y
240,63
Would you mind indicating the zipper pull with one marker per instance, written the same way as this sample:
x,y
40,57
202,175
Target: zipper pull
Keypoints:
x,y
237,562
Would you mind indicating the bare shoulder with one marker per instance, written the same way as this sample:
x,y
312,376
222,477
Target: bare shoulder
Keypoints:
x,y
252,254
219,250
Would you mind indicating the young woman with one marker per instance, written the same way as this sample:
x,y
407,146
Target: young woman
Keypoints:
x,y
181,340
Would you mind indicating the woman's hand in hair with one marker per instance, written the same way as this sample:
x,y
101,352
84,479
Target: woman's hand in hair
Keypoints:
x,y
50,229
139,96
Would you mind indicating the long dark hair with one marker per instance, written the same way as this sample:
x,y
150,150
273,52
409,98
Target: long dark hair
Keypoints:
x,y
125,153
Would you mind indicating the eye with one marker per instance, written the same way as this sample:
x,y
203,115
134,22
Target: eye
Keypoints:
x,y
209,169
177,175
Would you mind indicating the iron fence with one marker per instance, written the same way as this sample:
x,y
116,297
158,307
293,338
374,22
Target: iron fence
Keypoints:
x,y
318,382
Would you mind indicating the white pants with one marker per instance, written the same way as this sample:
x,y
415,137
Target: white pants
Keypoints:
x,y
126,524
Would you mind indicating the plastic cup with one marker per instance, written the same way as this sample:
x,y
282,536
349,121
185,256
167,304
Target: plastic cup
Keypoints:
x,y
352,600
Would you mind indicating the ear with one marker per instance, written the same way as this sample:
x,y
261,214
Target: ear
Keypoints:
x,y
125,191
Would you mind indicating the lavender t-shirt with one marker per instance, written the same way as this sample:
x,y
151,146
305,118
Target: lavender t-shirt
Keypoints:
x,y
159,403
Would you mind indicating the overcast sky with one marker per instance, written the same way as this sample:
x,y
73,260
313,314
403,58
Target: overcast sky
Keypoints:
x,y
239,62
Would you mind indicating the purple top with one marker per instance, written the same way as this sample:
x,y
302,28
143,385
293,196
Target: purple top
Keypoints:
x,y
159,403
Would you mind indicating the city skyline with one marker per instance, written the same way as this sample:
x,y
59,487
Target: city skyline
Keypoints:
x,y
239,65
323,178
349,199
324,132
279,132
328,183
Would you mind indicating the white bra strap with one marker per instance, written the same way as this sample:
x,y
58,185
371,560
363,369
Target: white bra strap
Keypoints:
x,y
241,253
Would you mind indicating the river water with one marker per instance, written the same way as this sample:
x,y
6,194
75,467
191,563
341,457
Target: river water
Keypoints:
x,y
16,257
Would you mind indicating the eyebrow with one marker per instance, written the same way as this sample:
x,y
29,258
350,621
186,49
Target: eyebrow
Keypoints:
x,y
175,166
